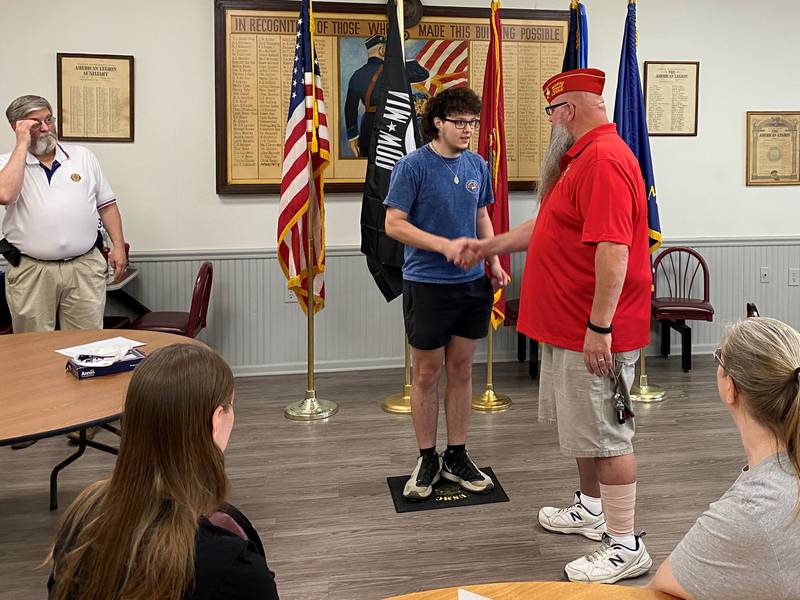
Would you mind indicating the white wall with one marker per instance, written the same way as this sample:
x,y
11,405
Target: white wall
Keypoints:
x,y
165,180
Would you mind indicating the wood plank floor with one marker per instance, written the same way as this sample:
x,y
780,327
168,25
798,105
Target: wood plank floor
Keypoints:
x,y
317,492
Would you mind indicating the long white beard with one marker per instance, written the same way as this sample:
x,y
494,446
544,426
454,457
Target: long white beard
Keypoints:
x,y
550,171
44,144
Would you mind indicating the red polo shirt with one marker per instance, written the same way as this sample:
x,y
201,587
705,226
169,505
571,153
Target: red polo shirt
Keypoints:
x,y
599,197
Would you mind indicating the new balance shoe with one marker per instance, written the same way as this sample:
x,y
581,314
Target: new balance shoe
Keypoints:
x,y
611,562
458,467
573,519
424,476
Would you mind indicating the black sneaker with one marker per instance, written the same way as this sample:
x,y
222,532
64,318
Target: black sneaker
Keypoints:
x,y
424,476
458,467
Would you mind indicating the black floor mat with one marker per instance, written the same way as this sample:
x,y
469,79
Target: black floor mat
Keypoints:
x,y
446,494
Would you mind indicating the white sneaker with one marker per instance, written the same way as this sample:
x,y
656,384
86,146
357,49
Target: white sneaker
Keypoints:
x,y
424,476
573,519
610,563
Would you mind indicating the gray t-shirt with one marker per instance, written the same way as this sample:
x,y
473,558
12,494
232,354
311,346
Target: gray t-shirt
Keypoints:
x,y
747,544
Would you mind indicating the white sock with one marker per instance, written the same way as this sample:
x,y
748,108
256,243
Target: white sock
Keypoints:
x,y
628,540
592,504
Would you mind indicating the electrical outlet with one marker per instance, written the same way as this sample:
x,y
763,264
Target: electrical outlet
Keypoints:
x,y
794,276
763,275
288,296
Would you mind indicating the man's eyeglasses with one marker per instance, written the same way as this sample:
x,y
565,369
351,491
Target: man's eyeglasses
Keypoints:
x,y
462,123
549,109
46,121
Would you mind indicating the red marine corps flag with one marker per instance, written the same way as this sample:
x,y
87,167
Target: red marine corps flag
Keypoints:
x,y
492,146
306,153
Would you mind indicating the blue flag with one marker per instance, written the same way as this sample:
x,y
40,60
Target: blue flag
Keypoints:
x,y
631,121
576,55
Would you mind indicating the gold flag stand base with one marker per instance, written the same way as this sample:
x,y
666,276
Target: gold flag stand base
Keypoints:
x,y
489,401
647,393
644,392
399,404
310,409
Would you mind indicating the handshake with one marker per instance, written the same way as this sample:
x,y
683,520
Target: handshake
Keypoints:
x,y
466,252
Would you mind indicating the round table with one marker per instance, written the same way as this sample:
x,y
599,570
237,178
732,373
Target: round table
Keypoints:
x,y
40,399
532,590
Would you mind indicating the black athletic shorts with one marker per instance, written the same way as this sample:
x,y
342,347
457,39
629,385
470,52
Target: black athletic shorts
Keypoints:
x,y
435,311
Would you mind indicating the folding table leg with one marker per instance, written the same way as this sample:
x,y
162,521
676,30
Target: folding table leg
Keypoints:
x,y
70,459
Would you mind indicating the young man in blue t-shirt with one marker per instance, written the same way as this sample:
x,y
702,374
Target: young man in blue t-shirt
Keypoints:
x,y
436,203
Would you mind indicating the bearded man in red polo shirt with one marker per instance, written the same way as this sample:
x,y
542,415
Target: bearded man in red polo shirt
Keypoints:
x,y
586,296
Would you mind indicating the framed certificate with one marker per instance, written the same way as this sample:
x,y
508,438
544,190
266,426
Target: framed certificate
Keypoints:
x,y
95,97
773,153
670,97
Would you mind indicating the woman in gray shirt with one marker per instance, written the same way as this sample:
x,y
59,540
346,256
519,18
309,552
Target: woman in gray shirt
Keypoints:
x,y
747,544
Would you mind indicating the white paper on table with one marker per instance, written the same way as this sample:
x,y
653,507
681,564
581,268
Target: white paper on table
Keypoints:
x,y
466,595
113,348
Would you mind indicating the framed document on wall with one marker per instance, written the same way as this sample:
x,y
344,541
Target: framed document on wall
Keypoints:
x,y
670,97
254,52
95,97
773,153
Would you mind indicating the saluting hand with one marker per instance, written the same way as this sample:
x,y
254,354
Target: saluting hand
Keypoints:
x,y
22,129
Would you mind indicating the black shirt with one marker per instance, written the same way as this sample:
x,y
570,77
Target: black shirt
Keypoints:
x,y
226,566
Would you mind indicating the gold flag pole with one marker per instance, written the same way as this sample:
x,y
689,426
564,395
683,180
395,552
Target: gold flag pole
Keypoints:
x,y
312,408
645,392
489,401
400,404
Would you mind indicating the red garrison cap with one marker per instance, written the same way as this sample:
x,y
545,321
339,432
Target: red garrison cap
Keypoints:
x,y
577,80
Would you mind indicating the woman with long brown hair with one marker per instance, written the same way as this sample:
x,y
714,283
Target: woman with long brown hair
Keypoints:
x,y
160,527
747,544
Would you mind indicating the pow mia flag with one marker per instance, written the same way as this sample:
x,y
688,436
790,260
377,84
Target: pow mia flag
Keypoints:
x,y
394,135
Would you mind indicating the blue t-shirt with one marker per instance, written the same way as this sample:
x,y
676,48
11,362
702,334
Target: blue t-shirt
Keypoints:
x,y
422,186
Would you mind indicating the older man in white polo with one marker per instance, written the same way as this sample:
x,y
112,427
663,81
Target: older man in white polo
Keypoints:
x,y
53,195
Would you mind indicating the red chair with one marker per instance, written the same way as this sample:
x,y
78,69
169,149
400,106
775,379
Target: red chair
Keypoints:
x,y
183,323
678,270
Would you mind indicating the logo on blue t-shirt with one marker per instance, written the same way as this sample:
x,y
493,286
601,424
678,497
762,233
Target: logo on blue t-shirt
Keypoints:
x,y
472,186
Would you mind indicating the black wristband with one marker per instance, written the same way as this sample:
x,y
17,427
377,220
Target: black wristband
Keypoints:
x,y
597,328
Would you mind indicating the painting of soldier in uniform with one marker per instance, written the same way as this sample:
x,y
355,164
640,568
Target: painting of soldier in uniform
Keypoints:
x,y
431,66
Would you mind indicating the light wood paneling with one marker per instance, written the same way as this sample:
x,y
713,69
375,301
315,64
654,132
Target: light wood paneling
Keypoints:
x,y
258,333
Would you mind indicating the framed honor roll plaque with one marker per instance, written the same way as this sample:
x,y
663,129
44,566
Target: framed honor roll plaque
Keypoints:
x,y
773,153
95,97
670,97
444,47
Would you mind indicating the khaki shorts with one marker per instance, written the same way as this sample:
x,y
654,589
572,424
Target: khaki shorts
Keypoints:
x,y
581,404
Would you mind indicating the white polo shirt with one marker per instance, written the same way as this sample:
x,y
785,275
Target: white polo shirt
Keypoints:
x,y
58,219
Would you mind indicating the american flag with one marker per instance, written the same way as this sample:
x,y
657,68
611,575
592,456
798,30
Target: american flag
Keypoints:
x,y
306,153
447,61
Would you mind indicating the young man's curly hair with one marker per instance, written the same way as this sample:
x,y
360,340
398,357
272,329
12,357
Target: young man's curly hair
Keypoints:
x,y
452,101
